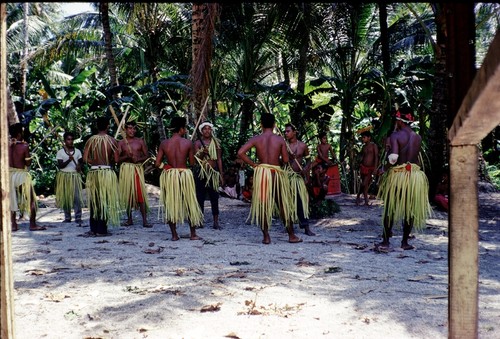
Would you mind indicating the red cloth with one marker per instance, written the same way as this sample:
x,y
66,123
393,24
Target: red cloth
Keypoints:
x,y
441,201
138,188
366,170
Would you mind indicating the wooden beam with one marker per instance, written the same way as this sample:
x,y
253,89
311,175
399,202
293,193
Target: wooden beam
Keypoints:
x,y
464,243
479,113
6,278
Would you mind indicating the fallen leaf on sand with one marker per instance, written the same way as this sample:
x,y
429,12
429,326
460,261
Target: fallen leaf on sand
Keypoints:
x,y
211,308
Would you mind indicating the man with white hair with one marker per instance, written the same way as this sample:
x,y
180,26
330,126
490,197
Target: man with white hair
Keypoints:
x,y
209,175
404,176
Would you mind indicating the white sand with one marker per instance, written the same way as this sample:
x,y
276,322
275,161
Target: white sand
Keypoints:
x,y
137,283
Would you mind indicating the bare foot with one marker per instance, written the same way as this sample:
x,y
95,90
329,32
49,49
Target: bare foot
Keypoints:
x,y
383,245
358,201
407,247
309,232
37,228
147,225
294,239
195,237
175,238
267,239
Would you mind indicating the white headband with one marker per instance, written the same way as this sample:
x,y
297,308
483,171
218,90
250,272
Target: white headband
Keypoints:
x,y
205,124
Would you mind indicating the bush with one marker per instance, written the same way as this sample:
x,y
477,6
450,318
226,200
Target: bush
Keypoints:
x,y
323,209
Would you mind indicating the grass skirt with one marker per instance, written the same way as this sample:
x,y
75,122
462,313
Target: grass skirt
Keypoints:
x,y
405,192
128,192
271,185
178,197
67,185
102,195
21,190
298,190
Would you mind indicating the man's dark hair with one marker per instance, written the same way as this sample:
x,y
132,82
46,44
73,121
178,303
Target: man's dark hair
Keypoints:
x,y
131,123
68,134
321,135
291,126
16,129
267,120
102,123
366,134
177,123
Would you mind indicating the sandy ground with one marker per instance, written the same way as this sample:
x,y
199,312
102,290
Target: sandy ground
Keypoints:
x,y
137,283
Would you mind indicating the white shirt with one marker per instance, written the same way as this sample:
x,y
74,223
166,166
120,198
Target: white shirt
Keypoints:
x,y
71,166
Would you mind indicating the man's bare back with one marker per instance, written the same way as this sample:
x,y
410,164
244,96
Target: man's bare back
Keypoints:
x,y
270,148
406,143
176,149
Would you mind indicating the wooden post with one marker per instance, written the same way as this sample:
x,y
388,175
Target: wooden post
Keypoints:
x,y
6,279
463,243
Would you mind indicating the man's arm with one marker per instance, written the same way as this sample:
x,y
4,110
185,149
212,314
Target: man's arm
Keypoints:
x,y
242,153
159,156
191,155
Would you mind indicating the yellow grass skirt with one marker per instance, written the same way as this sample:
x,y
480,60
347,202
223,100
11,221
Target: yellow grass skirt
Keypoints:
x,y
67,185
178,197
405,192
102,195
206,172
271,185
298,190
21,190
128,193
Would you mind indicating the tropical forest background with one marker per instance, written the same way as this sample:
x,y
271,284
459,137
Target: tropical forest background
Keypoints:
x,y
326,67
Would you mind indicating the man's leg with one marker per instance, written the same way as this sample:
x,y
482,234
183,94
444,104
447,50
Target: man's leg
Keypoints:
x,y
214,204
33,225
200,193
387,232
407,227
142,208
78,208
292,238
173,229
303,222
265,232
13,216
366,185
193,235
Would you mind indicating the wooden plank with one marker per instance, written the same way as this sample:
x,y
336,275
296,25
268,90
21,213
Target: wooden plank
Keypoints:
x,y
479,113
463,243
6,279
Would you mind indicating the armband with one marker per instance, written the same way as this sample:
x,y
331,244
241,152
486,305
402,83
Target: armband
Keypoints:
x,y
393,157
27,159
307,156
161,165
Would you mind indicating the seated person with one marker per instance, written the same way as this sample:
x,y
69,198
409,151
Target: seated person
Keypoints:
x,y
246,191
231,188
319,182
441,197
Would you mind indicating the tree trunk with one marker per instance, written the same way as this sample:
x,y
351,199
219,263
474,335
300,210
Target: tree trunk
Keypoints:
x,y
204,16
296,114
108,41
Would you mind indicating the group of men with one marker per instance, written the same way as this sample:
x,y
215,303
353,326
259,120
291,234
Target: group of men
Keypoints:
x,y
281,170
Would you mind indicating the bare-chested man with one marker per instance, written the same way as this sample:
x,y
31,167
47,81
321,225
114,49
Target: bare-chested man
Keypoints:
x,y
209,175
404,176
101,153
22,192
325,152
368,166
177,187
271,185
132,185
300,161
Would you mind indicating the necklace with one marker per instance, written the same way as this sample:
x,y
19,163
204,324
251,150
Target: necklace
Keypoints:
x,y
294,151
68,152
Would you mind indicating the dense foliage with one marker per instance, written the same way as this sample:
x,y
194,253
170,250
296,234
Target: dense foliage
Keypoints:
x,y
323,66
